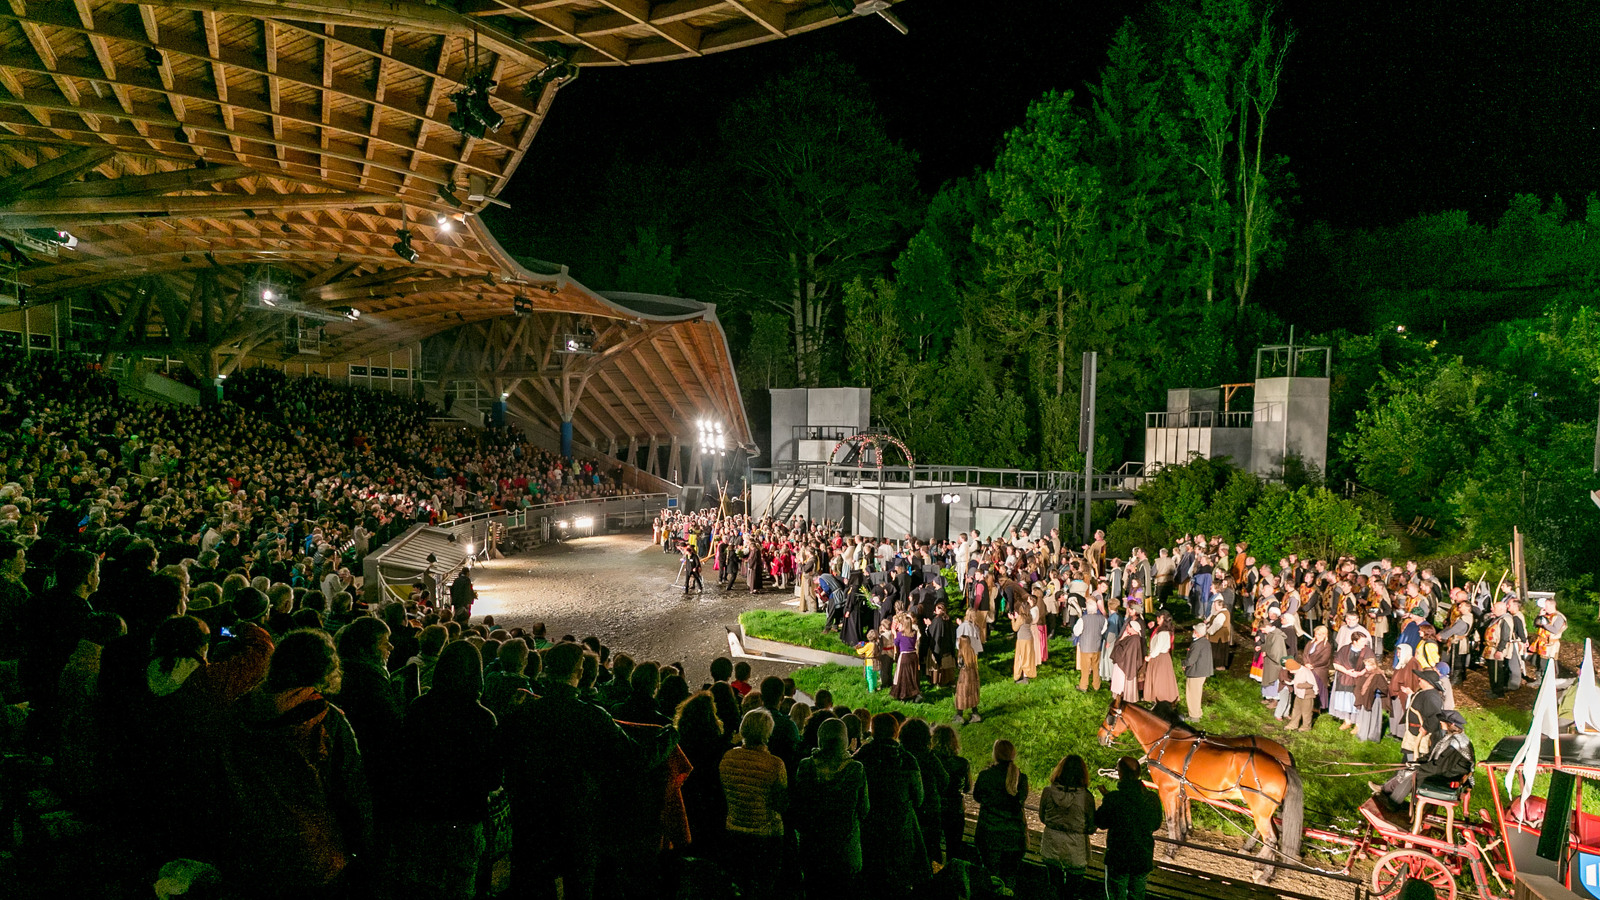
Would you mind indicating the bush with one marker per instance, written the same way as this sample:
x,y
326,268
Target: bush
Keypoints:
x,y
1207,496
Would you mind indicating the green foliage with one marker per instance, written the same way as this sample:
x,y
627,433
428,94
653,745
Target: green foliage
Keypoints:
x,y
647,265
1213,497
819,196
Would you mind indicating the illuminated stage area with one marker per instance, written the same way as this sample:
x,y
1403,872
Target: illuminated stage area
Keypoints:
x,y
620,588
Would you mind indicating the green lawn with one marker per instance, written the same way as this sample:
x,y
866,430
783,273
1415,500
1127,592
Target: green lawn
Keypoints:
x,y
1049,718
800,629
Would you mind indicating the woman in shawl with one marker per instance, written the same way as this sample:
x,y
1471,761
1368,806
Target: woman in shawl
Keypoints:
x,y
1025,662
1318,657
967,683
1127,658
1346,669
1369,696
1160,684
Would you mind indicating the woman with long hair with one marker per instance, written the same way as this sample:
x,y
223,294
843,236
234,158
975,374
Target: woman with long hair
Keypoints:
x,y
1025,662
1066,809
1160,684
1002,834
967,683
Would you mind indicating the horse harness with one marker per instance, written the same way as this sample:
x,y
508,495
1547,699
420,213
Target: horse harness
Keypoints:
x,y
1182,777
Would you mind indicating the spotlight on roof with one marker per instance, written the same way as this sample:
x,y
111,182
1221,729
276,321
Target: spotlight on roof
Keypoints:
x,y
269,297
522,306
863,8
446,224
154,58
402,247
447,193
349,312
474,115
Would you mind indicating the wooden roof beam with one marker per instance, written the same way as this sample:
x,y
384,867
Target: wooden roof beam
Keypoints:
x,y
158,183
684,36
771,16
67,165
373,14
192,206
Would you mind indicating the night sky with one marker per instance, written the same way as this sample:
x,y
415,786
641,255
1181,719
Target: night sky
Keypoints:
x,y
1387,109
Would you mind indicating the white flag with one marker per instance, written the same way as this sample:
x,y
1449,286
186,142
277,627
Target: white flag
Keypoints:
x,y
1545,723
1586,705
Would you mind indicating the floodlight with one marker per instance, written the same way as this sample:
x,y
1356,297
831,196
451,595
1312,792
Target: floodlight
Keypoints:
x,y
446,224
402,247
585,522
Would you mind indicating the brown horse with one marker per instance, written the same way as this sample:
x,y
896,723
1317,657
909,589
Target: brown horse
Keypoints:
x,y
1254,771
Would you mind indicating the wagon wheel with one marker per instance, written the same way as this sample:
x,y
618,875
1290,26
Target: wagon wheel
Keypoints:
x,y
1393,869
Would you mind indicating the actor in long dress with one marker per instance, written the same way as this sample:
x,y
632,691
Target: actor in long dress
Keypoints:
x,y
1127,656
1025,664
1160,684
967,683
1369,700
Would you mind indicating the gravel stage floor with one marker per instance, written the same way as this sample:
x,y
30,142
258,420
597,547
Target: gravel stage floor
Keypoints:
x,y
619,588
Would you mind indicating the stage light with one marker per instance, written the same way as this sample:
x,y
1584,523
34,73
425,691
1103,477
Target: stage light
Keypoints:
x,y
469,549
402,247
474,115
447,193
153,58
584,522
445,223
352,314
505,395
562,524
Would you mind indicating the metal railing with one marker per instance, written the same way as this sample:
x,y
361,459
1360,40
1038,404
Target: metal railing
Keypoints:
x,y
1199,418
823,432
532,524
1125,480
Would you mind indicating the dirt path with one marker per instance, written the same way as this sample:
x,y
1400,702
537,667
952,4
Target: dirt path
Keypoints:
x,y
619,588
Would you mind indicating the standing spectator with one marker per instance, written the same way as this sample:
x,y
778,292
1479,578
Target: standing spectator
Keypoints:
x,y
297,795
1002,834
1066,809
441,835
462,595
371,701
1197,667
952,807
1130,815
701,738
785,738
891,840
917,739
830,805
566,761
757,789
81,747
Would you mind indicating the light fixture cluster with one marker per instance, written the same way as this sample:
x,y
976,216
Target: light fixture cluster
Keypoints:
x,y
712,440
522,306
949,499
474,116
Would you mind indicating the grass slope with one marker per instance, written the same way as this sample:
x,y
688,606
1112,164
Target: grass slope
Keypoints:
x,y
800,629
1049,718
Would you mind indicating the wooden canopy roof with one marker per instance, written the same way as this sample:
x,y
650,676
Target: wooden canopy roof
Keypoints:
x,y
200,149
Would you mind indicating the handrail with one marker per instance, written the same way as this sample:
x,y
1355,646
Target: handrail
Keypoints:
x,y
1200,418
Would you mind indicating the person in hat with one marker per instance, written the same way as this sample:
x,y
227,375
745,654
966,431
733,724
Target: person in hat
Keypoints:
x,y
1448,761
